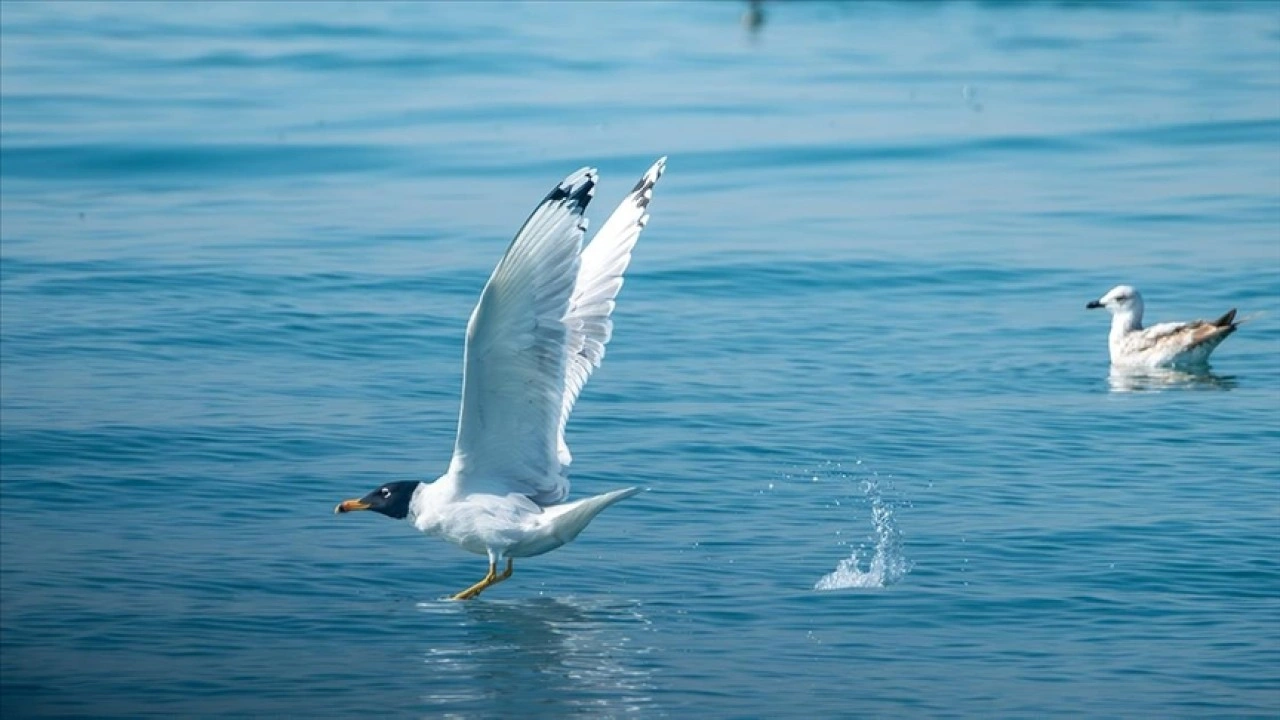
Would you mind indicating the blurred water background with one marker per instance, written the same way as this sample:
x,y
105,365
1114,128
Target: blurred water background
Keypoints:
x,y
240,243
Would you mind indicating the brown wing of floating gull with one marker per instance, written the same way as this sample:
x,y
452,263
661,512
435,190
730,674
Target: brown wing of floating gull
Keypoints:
x,y
1175,339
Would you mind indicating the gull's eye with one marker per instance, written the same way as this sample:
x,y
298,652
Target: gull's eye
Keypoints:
x,y
386,492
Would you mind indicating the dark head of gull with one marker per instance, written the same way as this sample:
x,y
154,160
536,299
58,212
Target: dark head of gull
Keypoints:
x,y
391,500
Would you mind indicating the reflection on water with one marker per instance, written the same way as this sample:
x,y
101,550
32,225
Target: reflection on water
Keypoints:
x,y
1153,379
569,657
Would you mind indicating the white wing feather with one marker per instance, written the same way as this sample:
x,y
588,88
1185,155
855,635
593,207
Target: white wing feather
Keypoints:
x,y
600,272
536,335
514,360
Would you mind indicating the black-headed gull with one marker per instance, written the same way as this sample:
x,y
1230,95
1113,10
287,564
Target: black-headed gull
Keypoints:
x,y
535,336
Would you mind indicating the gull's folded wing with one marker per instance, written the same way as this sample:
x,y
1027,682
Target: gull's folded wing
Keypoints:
x,y
1174,338
1148,338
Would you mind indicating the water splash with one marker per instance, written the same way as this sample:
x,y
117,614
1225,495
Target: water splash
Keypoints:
x,y
883,563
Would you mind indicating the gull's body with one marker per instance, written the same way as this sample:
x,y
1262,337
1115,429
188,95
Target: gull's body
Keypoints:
x,y
1166,345
535,336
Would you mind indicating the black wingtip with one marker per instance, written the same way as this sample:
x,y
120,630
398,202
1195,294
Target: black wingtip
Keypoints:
x,y
651,176
642,192
576,190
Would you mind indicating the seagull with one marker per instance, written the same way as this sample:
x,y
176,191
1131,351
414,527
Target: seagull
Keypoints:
x,y
1167,345
538,331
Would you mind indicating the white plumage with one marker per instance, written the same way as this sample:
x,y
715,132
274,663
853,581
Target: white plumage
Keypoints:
x,y
1166,345
537,333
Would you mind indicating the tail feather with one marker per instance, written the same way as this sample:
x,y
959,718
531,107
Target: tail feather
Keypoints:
x,y
575,516
562,523
1209,334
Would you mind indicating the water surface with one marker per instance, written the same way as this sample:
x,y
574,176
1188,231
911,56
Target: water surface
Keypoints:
x,y
238,245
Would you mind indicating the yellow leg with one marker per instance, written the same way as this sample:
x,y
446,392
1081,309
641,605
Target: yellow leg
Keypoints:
x,y
491,578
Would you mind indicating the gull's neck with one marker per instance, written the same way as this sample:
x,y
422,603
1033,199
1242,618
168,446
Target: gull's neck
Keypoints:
x,y
428,498
1125,321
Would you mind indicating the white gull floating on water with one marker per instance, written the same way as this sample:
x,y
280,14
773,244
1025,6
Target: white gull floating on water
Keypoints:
x,y
1167,345
540,328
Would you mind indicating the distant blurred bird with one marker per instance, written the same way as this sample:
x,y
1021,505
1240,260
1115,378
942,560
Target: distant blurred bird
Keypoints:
x,y
753,17
540,328
1173,344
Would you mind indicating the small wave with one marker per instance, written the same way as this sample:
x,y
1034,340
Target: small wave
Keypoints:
x,y
880,561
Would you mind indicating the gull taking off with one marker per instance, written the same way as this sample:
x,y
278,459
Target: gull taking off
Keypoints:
x,y
1167,345
539,330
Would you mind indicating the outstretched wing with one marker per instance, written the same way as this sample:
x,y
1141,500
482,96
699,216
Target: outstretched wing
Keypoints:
x,y
588,324
515,360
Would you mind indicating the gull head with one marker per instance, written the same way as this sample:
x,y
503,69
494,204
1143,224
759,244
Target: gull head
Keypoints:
x,y
1120,299
391,499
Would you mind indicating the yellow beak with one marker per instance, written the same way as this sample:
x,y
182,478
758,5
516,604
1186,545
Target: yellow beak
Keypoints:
x,y
349,505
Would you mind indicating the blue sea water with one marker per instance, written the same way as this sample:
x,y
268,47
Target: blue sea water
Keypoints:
x,y
888,471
